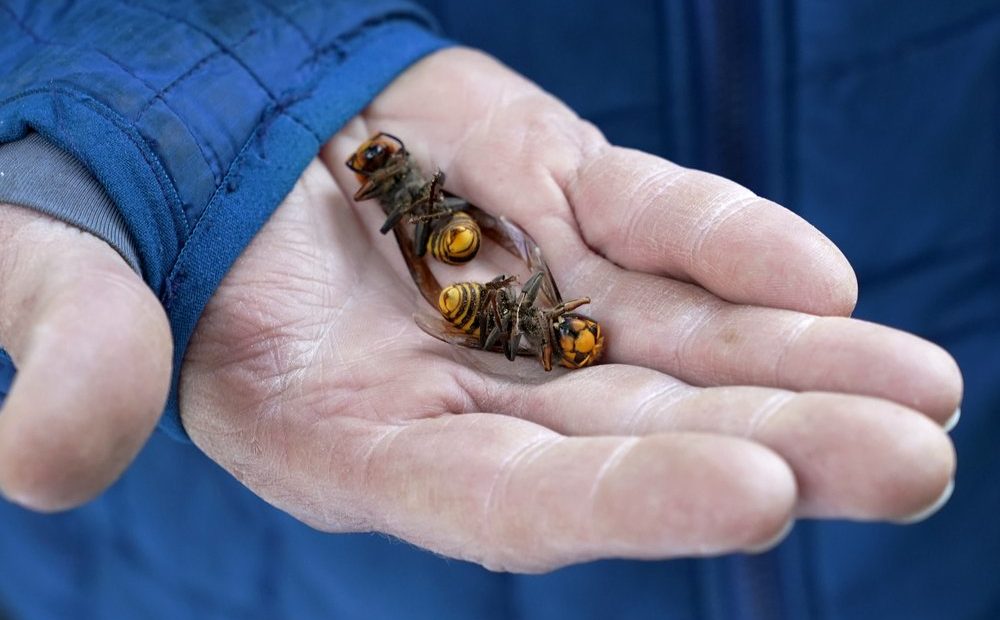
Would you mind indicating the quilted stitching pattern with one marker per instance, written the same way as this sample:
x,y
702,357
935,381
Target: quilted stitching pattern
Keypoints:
x,y
201,112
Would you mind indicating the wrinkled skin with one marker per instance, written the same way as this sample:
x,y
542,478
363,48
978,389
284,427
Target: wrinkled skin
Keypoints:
x,y
735,395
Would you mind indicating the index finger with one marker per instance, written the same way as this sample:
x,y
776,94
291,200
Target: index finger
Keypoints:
x,y
648,214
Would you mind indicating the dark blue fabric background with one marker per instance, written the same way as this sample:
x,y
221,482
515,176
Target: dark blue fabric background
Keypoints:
x,y
879,121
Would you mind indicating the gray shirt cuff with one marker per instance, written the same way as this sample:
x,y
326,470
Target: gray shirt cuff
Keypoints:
x,y
37,174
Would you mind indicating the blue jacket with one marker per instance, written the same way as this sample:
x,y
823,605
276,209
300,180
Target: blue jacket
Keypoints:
x,y
878,121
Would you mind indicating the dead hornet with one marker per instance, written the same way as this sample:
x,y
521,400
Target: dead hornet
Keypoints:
x,y
494,316
388,173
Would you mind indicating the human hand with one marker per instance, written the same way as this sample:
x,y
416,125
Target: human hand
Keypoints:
x,y
92,347
307,379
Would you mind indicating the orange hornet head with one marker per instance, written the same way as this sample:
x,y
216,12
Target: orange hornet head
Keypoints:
x,y
581,340
374,154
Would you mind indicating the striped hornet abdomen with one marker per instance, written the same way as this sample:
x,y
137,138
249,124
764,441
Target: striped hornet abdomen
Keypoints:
x,y
461,304
454,240
478,309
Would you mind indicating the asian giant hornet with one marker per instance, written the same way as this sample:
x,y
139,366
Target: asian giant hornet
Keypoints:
x,y
493,317
388,173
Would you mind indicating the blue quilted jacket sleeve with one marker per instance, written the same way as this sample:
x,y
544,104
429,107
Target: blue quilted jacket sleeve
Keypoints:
x,y
197,117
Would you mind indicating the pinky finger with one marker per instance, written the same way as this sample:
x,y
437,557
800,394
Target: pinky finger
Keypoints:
x,y
512,495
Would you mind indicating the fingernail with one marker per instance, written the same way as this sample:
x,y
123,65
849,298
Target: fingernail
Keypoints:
x,y
952,422
773,542
930,510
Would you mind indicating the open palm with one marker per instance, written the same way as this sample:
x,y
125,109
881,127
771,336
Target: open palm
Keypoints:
x,y
734,396
308,379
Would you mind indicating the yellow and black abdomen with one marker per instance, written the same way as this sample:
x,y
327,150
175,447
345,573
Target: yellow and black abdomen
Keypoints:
x,y
461,304
580,340
455,240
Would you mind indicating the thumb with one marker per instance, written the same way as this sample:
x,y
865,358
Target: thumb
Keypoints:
x,y
92,347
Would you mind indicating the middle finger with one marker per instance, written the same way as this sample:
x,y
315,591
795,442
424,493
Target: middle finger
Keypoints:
x,y
685,331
